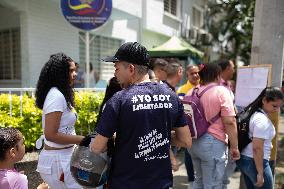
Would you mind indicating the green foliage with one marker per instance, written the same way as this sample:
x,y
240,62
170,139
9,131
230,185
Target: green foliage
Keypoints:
x,y
30,122
231,25
87,107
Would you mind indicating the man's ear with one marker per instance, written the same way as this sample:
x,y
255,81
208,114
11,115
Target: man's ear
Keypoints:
x,y
131,68
180,70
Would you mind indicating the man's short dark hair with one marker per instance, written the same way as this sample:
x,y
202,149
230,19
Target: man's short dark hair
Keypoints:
x,y
141,70
159,62
173,68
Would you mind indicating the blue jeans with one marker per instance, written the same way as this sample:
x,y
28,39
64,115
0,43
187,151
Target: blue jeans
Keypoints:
x,y
247,167
209,157
229,170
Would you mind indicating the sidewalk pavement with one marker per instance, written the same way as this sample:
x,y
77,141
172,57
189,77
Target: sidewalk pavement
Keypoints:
x,y
180,177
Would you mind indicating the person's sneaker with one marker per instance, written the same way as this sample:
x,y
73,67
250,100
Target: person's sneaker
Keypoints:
x,y
190,185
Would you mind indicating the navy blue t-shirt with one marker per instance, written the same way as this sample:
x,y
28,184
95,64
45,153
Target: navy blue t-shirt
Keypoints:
x,y
142,116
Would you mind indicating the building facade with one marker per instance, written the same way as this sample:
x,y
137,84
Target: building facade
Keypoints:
x,y
32,30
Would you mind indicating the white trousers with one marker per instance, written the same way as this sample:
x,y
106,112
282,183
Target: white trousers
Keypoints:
x,y
52,164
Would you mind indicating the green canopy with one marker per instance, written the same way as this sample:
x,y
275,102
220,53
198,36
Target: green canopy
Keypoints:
x,y
175,47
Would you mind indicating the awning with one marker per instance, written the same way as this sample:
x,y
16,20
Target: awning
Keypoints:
x,y
175,47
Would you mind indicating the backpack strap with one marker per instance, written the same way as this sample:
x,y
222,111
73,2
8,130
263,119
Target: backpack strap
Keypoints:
x,y
212,120
216,117
195,91
206,89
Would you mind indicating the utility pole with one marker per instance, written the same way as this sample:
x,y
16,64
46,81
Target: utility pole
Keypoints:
x,y
268,35
267,47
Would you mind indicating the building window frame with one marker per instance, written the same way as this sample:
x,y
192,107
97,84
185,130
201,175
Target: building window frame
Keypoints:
x,y
100,47
10,55
172,8
197,17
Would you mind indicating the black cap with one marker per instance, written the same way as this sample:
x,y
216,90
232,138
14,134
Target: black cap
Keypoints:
x,y
131,52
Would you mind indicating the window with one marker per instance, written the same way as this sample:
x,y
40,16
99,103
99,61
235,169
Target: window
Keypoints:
x,y
10,62
100,47
170,6
197,17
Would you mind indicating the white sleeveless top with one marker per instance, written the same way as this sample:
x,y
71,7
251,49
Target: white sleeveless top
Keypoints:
x,y
55,102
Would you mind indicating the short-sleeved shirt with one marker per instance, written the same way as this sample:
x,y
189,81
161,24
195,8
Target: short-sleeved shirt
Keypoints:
x,y
55,102
11,179
184,89
142,116
215,100
260,126
170,86
226,84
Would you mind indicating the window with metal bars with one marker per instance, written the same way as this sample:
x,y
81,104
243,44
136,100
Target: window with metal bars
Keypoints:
x,y
100,47
170,6
10,62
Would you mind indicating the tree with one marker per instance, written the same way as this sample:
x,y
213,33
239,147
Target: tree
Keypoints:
x,y
230,23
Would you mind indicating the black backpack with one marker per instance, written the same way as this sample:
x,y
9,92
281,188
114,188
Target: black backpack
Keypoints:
x,y
243,119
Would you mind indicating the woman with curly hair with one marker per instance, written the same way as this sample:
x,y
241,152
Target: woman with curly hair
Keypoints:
x,y
55,96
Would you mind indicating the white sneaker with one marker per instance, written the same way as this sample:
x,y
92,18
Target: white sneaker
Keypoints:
x,y
190,185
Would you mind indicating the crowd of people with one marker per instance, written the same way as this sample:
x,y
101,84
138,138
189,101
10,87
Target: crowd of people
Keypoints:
x,y
144,111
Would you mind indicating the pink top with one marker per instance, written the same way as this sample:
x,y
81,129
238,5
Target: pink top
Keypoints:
x,y
11,179
224,83
214,100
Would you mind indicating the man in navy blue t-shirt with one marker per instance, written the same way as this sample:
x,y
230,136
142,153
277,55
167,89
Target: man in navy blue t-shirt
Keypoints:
x,y
143,116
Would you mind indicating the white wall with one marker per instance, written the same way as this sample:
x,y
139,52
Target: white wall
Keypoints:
x,y
132,7
153,39
44,31
49,33
143,21
121,25
157,21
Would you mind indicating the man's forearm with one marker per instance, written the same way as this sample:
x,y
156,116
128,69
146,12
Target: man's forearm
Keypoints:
x,y
176,142
181,138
